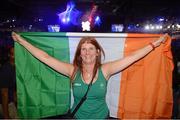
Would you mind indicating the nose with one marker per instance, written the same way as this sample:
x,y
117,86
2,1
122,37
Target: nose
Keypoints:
x,y
87,51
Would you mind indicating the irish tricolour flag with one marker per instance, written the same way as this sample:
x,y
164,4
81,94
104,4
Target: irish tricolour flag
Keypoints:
x,y
143,90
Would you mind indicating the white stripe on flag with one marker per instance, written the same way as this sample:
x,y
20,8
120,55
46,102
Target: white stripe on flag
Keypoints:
x,y
103,35
73,42
114,49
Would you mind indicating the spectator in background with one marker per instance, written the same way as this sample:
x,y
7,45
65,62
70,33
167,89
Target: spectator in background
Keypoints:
x,y
8,87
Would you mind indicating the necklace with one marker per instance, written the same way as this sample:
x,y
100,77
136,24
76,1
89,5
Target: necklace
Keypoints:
x,y
87,73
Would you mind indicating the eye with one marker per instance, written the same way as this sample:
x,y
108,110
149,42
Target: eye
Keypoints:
x,y
83,49
92,48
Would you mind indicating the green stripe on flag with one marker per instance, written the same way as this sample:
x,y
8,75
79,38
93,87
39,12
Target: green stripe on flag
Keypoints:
x,y
41,91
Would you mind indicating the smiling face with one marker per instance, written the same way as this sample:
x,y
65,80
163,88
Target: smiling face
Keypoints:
x,y
89,53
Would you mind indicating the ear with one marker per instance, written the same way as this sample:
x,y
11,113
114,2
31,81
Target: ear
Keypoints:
x,y
98,52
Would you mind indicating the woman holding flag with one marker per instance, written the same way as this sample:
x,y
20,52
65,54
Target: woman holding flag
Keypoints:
x,y
88,75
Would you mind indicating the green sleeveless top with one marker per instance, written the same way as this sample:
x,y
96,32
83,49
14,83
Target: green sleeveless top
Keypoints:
x,y
94,107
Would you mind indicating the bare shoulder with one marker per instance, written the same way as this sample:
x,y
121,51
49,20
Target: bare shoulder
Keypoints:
x,y
104,66
107,65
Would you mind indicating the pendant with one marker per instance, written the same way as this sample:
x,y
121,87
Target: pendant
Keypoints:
x,y
89,75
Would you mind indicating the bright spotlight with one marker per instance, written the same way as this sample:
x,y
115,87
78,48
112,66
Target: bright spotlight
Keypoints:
x,y
157,27
147,27
86,26
97,21
152,27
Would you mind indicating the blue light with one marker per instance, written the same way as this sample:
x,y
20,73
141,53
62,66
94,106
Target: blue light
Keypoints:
x,y
68,19
160,19
97,21
130,27
97,18
53,28
117,27
70,12
64,20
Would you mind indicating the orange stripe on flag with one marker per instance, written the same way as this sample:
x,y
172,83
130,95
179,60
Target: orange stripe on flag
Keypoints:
x,y
146,86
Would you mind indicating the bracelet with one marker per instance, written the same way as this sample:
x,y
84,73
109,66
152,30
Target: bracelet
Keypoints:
x,y
152,45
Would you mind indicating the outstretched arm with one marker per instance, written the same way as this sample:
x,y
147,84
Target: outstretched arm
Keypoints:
x,y
62,67
113,67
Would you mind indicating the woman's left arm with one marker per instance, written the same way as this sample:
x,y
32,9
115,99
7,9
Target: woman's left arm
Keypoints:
x,y
113,67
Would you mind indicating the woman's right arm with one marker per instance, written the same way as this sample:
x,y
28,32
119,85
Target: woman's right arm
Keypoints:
x,y
62,67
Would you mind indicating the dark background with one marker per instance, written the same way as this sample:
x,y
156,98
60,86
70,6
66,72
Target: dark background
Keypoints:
x,y
24,15
124,12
